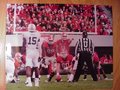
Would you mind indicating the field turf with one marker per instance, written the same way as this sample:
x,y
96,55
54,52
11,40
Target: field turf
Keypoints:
x,y
80,85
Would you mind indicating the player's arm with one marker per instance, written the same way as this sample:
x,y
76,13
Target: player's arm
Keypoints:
x,y
69,41
77,49
57,48
91,47
70,66
39,49
24,40
44,65
24,43
57,67
43,50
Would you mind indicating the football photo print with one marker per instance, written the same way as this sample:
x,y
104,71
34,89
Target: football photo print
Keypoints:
x,y
58,46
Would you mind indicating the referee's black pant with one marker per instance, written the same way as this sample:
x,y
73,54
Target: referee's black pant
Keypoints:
x,y
85,57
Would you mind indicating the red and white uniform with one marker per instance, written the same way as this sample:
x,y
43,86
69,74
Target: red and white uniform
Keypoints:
x,y
65,63
96,60
49,53
63,47
64,59
48,50
17,63
103,59
95,57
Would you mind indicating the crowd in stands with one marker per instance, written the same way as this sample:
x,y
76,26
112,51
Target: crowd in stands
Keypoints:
x,y
58,18
104,23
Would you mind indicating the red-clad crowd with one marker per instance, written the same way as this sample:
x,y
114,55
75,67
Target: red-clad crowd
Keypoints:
x,y
104,20
57,18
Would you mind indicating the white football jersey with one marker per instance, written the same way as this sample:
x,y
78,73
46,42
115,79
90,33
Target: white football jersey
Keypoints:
x,y
32,40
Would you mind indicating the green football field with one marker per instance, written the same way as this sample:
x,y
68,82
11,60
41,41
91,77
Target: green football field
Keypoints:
x,y
81,85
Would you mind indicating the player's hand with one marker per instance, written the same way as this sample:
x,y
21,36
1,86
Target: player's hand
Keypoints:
x,y
39,59
77,56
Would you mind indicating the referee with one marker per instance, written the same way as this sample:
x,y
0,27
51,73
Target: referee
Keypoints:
x,y
83,50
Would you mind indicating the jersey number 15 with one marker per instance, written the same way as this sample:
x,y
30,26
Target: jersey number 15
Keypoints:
x,y
32,40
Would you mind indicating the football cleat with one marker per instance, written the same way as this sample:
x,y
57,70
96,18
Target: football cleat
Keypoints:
x,y
29,85
36,82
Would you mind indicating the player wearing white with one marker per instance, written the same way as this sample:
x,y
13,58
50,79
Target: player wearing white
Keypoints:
x,y
32,53
9,69
9,62
64,58
39,59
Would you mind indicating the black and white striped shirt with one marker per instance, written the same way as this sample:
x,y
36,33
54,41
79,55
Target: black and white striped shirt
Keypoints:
x,y
84,44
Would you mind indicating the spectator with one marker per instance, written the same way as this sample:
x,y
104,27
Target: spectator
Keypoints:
x,y
60,17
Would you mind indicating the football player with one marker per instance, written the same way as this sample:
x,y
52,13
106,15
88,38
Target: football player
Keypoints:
x,y
10,67
49,54
32,39
64,58
98,66
18,63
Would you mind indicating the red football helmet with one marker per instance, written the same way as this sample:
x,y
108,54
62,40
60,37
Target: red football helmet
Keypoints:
x,y
58,78
64,36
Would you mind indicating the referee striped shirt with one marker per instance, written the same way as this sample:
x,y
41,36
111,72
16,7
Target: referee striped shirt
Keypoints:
x,y
84,44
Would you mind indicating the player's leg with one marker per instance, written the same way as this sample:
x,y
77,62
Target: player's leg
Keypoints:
x,y
79,68
36,76
16,74
39,66
32,74
28,74
85,76
74,68
49,69
70,70
58,68
103,73
85,72
51,76
98,71
97,67
35,65
90,66
52,68
10,68
28,71
71,75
